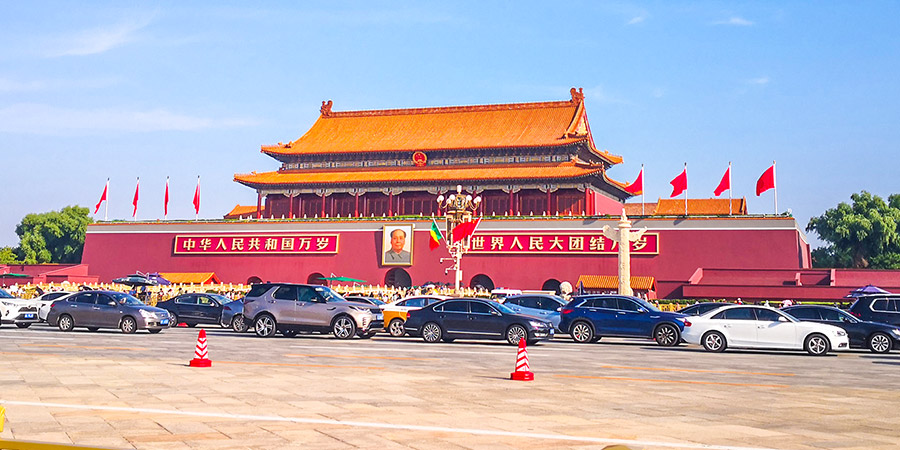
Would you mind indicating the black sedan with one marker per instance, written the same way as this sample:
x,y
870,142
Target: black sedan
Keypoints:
x,y
472,318
877,337
193,309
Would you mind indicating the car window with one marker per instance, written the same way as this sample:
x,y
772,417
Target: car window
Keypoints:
x,y
529,302
511,301
625,304
285,293
258,290
103,299
883,304
805,313
893,305
203,300
832,315
480,308
306,294
766,315
551,303
186,300
415,302
736,314
87,297
457,306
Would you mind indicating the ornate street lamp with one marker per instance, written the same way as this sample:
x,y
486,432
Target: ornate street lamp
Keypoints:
x,y
458,208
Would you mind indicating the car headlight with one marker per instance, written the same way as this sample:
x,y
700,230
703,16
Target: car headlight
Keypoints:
x,y
147,314
896,331
537,324
840,333
359,308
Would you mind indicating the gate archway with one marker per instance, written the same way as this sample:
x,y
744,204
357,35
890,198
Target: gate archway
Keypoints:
x,y
316,278
254,280
483,281
397,277
551,285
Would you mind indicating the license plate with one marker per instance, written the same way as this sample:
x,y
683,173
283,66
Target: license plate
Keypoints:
x,y
164,322
29,316
379,317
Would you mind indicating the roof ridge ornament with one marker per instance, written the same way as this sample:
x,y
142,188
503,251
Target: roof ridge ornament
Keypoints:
x,y
577,95
326,108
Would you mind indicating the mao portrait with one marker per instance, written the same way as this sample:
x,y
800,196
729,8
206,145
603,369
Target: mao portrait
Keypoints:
x,y
397,241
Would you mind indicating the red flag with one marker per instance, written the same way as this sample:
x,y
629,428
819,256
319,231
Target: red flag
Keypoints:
x,y
464,230
102,197
679,184
134,202
766,181
637,188
166,200
197,197
725,184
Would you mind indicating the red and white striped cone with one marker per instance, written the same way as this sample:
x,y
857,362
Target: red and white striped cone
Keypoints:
x,y
523,370
201,354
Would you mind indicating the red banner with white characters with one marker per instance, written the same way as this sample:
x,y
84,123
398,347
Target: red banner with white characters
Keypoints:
x,y
559,243
243,244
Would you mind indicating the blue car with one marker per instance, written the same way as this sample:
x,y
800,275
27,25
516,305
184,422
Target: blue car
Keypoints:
x,y
542,306
588,318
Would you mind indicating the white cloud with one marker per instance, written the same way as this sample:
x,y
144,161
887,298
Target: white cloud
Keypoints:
x,y
49,120
636,20
15,86
759,81
735,21
97,40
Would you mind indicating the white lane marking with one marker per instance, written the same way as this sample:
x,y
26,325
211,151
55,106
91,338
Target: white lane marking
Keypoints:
x,y
29,338
391,426
405,350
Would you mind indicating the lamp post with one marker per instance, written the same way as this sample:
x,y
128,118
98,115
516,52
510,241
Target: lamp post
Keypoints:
x,y
458,208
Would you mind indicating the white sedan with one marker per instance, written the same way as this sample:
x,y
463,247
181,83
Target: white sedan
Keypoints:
x,y
747,326
45,300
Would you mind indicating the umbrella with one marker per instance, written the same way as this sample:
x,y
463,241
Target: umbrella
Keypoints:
x,y
135,280
867,289
155,276
580,290
344,279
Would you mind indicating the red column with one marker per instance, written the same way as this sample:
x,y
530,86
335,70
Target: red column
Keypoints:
x,y
291,206
587,202
391,203
258,204
548,203
356,205
299,205
323,205
511,209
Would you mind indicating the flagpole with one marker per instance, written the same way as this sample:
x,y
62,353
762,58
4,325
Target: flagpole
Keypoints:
x,y
106,208
775,187
197,211
166,202
642,190
685,189
730,211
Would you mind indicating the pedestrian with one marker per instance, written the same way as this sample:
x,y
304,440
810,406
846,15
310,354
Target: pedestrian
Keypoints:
x,y
766,304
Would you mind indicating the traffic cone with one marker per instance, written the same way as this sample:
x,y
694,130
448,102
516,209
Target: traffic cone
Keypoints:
x,y
523,370
201,354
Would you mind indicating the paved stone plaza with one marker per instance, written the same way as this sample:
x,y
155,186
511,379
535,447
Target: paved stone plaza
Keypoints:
x,y
137,391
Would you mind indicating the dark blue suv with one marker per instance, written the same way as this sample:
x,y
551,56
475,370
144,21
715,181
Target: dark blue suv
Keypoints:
x,y
590,317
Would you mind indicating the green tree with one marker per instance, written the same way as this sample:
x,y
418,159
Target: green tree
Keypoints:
x,y
55,236
865,234
8,256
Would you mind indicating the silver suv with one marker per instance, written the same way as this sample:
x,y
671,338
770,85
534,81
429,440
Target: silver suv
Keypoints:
x,y
289,308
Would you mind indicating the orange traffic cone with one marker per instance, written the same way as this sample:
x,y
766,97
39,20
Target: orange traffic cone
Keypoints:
x,y
201,354
523,370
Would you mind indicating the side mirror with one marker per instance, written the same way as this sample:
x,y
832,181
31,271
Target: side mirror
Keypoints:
x,y
782,319
112,303
642,310
495,313
559,309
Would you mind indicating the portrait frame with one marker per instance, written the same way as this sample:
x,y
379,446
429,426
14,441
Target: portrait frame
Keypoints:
x,y
388,256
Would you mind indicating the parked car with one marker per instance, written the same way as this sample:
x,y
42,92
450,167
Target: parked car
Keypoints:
x,y
395,313
16,310
701,308
45,300
289,308
470,318
590,317
193,309
883,308
877,337
542,306
370,300
106,309
748,326
233,316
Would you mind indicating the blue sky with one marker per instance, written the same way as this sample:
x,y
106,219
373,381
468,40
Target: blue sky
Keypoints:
x,y
181,89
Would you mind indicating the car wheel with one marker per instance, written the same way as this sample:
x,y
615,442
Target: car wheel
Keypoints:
x,y
667,335
816,345
516,333
343,327
173,319
431,332
154,331
289,333
367,335
265,326
396,328
447,339
66,323
238,324
23,325
128,325
93,329
582,332
714,342
880,343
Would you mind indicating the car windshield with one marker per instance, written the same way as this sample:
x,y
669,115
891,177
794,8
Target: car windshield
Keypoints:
x,y
125,299
4,294
504,309
221,298
846,317
647,305
328,294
